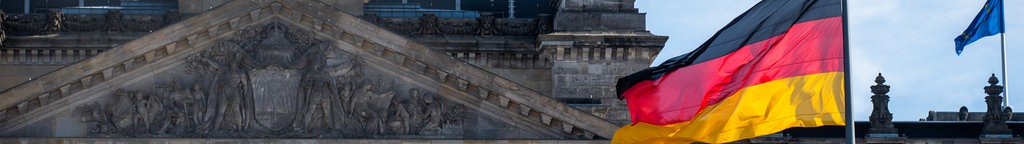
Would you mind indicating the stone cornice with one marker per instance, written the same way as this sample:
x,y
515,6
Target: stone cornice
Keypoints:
x,y
472,86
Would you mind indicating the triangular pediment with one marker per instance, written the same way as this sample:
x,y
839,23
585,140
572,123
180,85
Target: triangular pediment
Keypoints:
x,y
288,68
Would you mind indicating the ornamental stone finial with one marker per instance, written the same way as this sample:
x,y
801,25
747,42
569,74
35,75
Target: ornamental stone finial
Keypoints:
x,y
879,88
879,79
995,118
881,118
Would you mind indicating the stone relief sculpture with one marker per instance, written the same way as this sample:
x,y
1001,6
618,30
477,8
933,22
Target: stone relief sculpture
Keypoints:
x,y
485,25
428,24
54,19
3,34
272,81
112,21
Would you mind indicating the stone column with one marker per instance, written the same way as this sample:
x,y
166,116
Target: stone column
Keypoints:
x,y
995,118
881,118
593,44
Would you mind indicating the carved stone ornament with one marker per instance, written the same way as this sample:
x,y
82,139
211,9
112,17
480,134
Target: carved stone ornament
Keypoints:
x,y
485,25
273,81
429,24
3,34
54,17
881,118
995,118
113,21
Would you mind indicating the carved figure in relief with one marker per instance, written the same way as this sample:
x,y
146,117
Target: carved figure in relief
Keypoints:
x,y
230,90
433,117
196,108
114,21
270,81
415,110
55,18
398,117
485,25
319,90
370,119
3,34
379,99
429,24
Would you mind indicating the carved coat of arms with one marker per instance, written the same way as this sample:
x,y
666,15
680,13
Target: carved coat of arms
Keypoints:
x,y
271,81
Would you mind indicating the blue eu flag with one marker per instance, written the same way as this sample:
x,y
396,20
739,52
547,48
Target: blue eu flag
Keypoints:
x,y
988,22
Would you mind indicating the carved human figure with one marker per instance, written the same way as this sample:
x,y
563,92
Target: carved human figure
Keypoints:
x,y
485,25
230,88
370,119
197,107
55,18
3,35
342,74
319,90
398,118
433,115
376,98
417,111
429,24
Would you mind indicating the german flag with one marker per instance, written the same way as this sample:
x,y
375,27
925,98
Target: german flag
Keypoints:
x,y
776,66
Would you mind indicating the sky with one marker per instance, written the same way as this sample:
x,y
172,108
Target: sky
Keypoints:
x,y
909,41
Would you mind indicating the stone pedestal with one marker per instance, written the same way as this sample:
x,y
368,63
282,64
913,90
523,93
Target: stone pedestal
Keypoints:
x,y
585,68
594,43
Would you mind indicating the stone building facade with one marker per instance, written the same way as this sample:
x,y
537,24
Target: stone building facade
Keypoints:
x,y
322,71
364,71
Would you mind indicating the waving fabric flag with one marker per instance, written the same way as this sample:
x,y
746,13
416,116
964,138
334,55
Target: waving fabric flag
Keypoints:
x,y
776,66
988,22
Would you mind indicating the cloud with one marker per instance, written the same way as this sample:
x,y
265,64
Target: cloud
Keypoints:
x,y
910,42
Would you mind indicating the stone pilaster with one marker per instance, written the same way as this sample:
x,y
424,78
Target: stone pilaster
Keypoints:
x,y
593,44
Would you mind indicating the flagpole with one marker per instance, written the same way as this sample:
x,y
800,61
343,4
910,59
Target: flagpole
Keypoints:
x,y
846,78
1006,82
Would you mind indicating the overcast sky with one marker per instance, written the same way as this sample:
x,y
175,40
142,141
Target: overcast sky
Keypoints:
x,y
909,41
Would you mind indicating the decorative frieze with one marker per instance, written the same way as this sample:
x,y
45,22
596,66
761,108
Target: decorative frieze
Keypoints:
x,y
568,122
271,81
112,21
485,25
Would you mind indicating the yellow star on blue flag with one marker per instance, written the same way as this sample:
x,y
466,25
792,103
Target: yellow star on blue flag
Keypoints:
x,y
988,22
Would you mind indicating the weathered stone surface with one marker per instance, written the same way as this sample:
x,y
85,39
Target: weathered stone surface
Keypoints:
x,y
276,141
198,6
585,21
158,59
585,65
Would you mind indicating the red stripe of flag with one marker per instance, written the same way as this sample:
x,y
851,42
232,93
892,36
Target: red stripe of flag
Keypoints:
x,y
806,48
